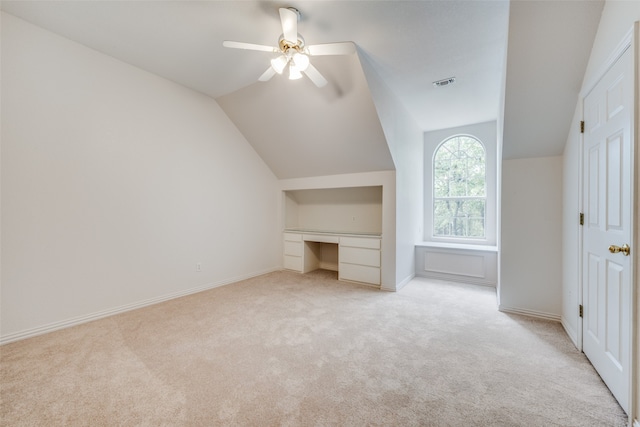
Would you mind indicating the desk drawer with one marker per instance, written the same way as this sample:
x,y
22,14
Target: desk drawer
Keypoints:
x,y
293,237
359,273
370,257
320,238
293,263
292,248
360,242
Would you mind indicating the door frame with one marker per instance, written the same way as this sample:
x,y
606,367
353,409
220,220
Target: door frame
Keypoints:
x,y
630,42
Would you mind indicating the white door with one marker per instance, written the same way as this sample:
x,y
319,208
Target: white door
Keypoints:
x,y
606,265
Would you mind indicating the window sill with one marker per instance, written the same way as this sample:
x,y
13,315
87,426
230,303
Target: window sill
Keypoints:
x,y
464,246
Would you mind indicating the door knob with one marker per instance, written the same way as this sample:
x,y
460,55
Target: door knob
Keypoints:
x,y
625,249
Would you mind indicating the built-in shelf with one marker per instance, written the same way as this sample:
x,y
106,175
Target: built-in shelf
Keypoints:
x,y
349,210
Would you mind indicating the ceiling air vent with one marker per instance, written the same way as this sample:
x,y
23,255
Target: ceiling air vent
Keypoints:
x,y
444,82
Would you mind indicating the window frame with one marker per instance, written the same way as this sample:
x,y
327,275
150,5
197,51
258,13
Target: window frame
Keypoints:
x,y
487,134
483,238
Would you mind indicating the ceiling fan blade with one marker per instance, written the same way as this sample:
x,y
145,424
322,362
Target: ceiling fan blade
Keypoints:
x,y
315,76
248,46
266,76
289,19
342,48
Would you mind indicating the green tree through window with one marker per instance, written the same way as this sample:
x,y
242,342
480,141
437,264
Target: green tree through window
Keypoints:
x,y
459,188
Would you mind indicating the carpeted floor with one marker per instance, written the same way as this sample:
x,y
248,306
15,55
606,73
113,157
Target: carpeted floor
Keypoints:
x,y
307,350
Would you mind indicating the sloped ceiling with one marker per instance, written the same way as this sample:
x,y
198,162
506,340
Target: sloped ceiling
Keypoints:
x,y
549,47
409,44
301,131
298,129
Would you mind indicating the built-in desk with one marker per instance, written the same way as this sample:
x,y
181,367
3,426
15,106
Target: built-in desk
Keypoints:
x,y
357,258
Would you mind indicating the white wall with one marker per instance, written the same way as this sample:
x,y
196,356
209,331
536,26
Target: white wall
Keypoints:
x,y
499,156
617,19
531,252
115,183
571,167
386,179
405,141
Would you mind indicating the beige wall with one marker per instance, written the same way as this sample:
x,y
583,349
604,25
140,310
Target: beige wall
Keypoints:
x,y
115,183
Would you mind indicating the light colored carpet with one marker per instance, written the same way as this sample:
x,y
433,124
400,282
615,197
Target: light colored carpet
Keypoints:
x,y
297,350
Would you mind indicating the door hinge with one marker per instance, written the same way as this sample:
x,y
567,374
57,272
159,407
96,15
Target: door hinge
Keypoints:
x,y
581,310
582,126
581,218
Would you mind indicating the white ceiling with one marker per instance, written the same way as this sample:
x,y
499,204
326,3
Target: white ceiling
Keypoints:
x,y
409,44
549,47
301,131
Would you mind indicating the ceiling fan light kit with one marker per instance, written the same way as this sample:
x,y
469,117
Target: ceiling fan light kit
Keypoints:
x,y
292,51
294,73
279,63
300,61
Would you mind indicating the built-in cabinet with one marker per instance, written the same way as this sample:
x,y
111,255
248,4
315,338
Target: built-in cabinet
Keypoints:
x,y
337,229
293,252
357,258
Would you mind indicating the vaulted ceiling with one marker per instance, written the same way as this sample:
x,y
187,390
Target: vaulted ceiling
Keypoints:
x,y
301,130
549,47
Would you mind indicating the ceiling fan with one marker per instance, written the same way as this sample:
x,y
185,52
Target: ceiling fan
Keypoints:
x,y
293,52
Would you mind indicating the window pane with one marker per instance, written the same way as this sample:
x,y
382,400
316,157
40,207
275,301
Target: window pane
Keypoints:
x,y
459,217
459,181
459,168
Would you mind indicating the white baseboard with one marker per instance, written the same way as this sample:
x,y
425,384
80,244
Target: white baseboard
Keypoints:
x,y
456,278
40,330
405,281
530,313
399,285
572,333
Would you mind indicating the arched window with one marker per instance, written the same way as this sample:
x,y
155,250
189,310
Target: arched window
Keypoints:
x,y
459,188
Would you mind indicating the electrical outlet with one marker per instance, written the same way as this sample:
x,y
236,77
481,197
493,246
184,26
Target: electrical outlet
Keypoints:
x,y
198,267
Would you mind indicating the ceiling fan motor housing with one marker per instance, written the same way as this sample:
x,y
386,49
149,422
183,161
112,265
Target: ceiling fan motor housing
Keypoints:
x,y
286,45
